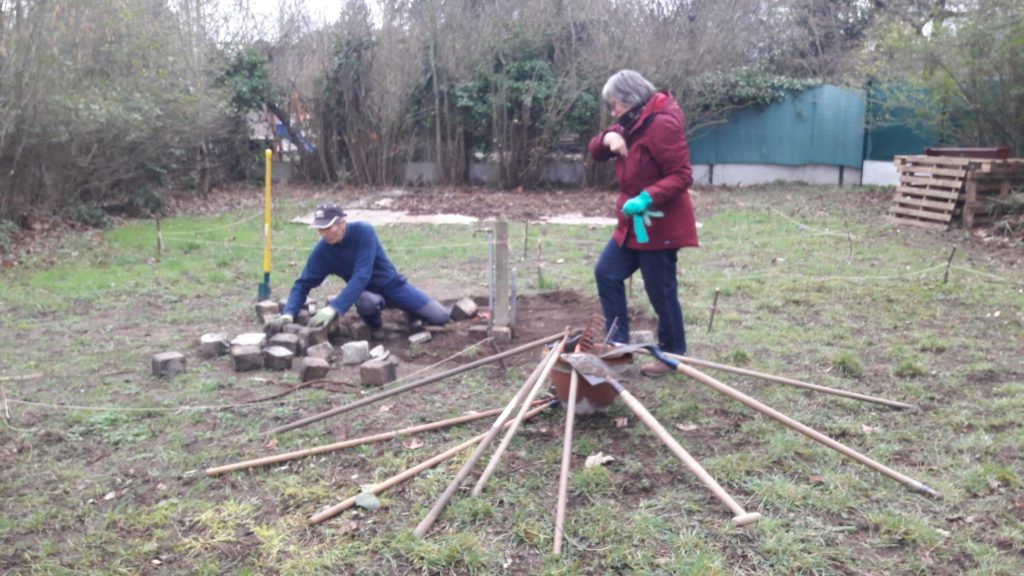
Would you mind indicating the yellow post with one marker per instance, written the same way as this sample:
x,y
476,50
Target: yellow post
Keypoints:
x,y
264,289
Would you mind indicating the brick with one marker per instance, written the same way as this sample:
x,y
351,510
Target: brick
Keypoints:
x,y
420,338
313,368
355,352
502,334
168,364
213,344
265,309
464,309
289,341
247,358
277,358
324,351
310,337
377,372
257,339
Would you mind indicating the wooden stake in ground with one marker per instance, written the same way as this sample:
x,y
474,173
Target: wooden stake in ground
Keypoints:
x,y
405,475
442,501
714,307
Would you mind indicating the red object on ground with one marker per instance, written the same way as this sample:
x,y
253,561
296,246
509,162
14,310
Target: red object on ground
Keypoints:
x,y
1000,153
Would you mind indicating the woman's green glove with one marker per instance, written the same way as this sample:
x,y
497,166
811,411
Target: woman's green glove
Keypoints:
x,y
322,317
637,204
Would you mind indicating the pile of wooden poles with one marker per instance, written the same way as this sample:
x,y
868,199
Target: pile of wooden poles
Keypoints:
x,y
528,404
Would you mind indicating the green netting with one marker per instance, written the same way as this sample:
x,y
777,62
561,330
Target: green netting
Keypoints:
x,y
822,125
894,127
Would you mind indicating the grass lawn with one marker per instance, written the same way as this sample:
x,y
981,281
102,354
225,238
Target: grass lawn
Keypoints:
x,y
103,463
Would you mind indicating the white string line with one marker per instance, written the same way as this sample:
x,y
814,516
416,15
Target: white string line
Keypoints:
x,y
802,226
65,406
910,273
226,226
308,247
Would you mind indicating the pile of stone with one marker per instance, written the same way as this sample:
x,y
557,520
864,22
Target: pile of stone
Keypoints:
x,y
311,347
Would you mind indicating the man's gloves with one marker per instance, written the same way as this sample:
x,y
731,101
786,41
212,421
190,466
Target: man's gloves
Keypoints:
x,y
637,204
278,323
322,317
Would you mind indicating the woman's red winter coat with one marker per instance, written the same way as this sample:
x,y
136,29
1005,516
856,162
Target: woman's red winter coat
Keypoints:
x,y
658,161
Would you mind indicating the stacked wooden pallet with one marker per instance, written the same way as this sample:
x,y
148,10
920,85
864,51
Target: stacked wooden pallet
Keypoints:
x,y
938,191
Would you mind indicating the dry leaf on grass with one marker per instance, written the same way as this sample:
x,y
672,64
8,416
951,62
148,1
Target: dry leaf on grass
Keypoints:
x,y
598,459
621,422
271,444
386,407
687,427
413,443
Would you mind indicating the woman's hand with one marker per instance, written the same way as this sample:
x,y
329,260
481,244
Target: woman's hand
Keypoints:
x,y
615,143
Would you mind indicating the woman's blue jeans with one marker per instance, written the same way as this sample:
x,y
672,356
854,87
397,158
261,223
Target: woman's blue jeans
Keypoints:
x,y
658,268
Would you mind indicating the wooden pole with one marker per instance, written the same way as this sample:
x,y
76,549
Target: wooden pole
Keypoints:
x,y
789,381
442,501
740,516
500,313
803,429
511,432
403,476
416,384
284,457
563,476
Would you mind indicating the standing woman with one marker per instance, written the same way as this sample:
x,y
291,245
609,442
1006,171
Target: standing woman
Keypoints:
x,y
655,216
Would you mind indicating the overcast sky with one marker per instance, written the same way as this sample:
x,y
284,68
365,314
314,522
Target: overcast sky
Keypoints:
x,y
320,10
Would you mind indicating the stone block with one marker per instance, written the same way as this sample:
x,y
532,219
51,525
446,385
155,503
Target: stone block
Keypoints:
x,y
247,358
377,351
355,352
464,309
289,341
265,309
292,328
642,337
362,332
302,318
378,372
214,344
257,339
310,337
168,364
502,334
420,338
324,351
313,368
277,358
478,331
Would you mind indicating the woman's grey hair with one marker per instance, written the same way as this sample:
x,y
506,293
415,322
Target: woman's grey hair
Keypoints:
x,y
627,87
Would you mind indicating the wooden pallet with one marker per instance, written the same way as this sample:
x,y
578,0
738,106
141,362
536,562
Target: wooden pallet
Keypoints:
x,y
936,192
930,189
